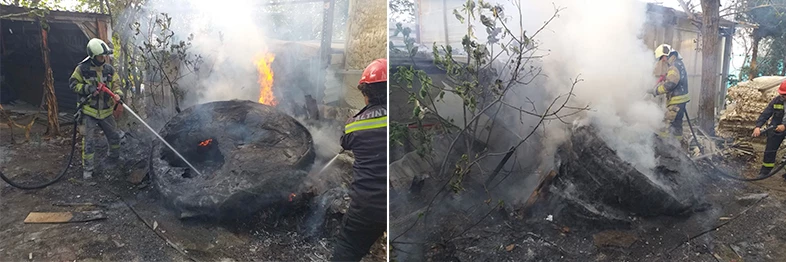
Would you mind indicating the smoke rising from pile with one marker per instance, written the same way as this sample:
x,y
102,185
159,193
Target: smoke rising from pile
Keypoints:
x,y
616,66
229,36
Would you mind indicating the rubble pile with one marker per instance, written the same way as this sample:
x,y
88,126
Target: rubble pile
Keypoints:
x,y
745,102
250,156
593,185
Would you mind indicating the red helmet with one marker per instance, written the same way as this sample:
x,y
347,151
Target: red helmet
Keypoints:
x,y
375,72
782,88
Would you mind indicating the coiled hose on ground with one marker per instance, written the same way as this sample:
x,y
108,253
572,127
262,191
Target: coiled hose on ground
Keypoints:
x,y
70,157
54,180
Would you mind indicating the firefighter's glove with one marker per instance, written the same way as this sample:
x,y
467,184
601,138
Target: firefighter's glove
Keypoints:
x,y
91,89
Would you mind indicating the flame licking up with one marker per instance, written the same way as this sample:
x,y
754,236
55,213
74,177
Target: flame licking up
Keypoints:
x,y
263,63
206,142
291,196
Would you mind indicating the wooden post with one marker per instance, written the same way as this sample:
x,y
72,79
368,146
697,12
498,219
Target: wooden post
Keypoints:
x,y
753,71
709,64
53,127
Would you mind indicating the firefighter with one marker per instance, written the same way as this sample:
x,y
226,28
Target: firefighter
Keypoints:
x,y
773,110
674,84
366,135
97,112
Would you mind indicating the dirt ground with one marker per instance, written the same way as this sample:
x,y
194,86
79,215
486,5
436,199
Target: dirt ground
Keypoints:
x,y
137,227
741,221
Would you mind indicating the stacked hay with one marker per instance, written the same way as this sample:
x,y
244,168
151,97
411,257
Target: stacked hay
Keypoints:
x,y
367,38
745,102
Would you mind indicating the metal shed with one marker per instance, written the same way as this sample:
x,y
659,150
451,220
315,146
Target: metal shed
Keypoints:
x,y
21,62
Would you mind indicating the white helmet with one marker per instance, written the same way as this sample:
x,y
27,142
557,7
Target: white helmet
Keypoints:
x,y
663,50
97,47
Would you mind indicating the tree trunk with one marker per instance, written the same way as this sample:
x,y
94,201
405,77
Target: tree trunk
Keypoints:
x,y
754,71
709,64
53,127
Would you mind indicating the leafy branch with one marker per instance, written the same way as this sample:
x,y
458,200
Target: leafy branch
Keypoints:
x,y
484,78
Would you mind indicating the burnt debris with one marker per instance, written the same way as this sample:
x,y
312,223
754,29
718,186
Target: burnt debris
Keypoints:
x,y
595,186
251,155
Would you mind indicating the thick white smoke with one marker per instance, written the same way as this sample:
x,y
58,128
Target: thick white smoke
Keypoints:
x,y
599,40
230,36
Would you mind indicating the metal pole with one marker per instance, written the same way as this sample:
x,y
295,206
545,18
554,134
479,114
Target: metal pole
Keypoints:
x,y
445,20
325,48
725,71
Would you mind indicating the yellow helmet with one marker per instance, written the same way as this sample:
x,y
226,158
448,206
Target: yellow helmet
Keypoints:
x,y
96,47
663,50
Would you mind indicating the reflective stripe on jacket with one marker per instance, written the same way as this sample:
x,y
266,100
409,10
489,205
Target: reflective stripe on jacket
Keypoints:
x,y
675,85
366,135
85,73
773,110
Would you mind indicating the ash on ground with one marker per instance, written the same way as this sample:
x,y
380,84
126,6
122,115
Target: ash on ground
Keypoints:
x,y
139,225
700,216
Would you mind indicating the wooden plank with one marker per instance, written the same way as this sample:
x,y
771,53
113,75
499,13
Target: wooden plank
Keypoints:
x,y
63,217
539,191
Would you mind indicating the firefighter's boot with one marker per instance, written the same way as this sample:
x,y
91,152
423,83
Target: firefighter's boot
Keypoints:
x,y
87,169
764,171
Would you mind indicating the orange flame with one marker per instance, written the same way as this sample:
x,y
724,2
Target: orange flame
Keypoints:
x,y
206,142
263,63
291,196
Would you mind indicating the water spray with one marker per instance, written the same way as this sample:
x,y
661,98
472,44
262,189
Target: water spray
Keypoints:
x,y
330,163
102,88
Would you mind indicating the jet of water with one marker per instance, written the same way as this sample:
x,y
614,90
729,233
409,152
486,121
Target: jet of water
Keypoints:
x,y
162,139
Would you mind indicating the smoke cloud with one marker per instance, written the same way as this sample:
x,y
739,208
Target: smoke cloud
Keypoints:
x,y
615,65
230,36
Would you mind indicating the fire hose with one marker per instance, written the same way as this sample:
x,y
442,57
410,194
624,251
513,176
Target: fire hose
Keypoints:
x,y
118,102
723,173
77,115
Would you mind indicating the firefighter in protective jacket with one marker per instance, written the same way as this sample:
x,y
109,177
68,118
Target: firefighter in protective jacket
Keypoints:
x,y
97,112
366,135
674,84
774,113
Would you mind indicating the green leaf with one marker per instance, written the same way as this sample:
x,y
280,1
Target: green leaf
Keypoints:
x,y
486,21
458,15
416,112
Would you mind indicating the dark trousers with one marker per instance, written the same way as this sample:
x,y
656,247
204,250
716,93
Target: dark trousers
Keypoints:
x,y
91,126
358,234
774,141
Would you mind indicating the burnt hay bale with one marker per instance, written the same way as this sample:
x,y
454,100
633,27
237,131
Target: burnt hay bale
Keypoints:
x,y
250,156
594,185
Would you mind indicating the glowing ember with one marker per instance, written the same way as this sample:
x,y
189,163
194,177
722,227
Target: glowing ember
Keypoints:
x,y
291,196
206,142
263,63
